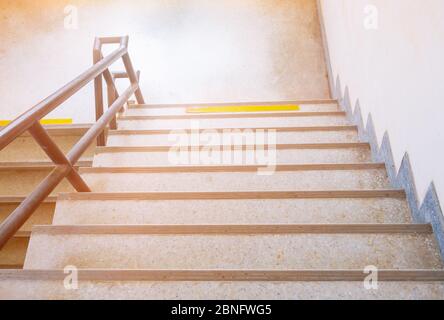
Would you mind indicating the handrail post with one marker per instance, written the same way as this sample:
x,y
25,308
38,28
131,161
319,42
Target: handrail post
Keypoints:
x,y
112,94
111,98
98,90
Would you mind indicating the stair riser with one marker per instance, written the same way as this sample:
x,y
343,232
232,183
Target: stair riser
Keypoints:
x,y
155,124
237,181
218,156
278,211
26,149
281,138
13,253
183,111
43,215
22,182
265,252
226,290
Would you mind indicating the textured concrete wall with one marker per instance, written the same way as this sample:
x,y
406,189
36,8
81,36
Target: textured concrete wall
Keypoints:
x,y
188,51
395,70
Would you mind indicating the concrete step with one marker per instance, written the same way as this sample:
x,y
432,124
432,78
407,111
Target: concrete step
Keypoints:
x,y
263,247
318,102
12,255
43,215
232,121
25,148
237,178
332,134
146,138
23,177
220,284
381,206
141,110
217,155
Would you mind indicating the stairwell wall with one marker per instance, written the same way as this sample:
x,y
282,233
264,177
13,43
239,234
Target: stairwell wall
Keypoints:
x,y
388,57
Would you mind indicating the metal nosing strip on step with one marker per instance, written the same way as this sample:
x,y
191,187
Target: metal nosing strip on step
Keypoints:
x,y
223,275
220,130
22,235
239,115
236,229
232,168
296,146
340,194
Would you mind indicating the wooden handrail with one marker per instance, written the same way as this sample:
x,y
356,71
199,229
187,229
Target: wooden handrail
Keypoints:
x,y
29,121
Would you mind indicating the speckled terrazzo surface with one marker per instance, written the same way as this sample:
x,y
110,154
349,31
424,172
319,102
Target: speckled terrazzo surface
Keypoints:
x,y
238,181
285,251
279,211
22,182
301,156
13,253
43,215
281,138
233,123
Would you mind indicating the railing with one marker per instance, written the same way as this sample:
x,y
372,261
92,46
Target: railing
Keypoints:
x,y
64,164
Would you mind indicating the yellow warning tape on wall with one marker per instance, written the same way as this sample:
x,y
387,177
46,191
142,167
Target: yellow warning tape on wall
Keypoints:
x,y
222,109
43,121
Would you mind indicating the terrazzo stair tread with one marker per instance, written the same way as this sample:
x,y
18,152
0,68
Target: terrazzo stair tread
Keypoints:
x,y
18,179
162,123
319,102
229,208
13,254
270,247
153,111
285,154
279,129
287,146
43,214
219,290
24,148
236,178
163,138
236,115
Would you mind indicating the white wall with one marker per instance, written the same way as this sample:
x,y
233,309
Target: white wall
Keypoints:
x,y
188,50
397,73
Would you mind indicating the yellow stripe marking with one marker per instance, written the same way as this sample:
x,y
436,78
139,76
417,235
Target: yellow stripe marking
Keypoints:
x,y
43,121
224,109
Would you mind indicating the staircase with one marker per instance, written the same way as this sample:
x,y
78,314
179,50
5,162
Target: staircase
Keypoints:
x,y
290,206
156,230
